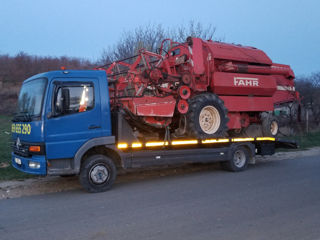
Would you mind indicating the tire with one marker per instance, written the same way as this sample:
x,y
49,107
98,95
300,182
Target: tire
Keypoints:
x,y
97,173
270,125
207,117
239,160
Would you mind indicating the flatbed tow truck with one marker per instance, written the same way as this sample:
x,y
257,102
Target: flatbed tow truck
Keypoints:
x,y
64,126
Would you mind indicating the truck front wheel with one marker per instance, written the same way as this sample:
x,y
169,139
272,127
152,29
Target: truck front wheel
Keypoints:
x,y
97,173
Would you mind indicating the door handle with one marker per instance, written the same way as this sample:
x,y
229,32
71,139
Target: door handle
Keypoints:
x,y
94,127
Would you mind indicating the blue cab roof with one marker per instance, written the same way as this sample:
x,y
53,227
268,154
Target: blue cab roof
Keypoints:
x,y
68,73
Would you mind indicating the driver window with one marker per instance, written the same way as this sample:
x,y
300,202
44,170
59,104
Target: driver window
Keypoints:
x,y
74,99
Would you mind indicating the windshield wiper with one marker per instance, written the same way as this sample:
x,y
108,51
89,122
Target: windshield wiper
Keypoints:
x,y
22,117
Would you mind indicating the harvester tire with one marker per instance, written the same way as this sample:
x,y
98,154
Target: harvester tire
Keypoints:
x,y
270,125
207,117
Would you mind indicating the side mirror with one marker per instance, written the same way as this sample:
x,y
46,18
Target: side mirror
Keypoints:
x,y
61,102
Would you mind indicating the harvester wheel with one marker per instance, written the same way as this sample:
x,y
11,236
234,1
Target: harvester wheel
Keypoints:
x,y
207,116
270,126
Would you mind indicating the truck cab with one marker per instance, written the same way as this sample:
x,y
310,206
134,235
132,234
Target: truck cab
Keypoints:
x,y
60,114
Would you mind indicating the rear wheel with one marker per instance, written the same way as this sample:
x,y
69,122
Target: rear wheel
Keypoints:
x,y
270,126
98,173
207,116
239,160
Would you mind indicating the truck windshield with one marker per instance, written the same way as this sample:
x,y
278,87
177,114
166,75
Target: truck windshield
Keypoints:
x,y
30,100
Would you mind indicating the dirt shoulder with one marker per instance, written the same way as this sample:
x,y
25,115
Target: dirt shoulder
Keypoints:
x,y
43,185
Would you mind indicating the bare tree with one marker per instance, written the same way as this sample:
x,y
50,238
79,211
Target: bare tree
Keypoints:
x,y
193,29
15,69
150,37
309,89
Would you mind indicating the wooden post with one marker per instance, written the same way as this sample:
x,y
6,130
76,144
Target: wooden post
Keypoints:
x,y
307,120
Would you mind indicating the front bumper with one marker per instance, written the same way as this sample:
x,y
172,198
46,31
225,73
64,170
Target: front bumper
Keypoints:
x,y
24,166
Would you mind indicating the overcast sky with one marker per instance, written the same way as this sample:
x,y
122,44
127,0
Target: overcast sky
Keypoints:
x,y
287,30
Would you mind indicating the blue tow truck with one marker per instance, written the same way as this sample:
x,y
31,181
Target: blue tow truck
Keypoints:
x,y
64,126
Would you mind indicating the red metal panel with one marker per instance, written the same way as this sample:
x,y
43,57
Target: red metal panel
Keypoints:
x,y
274,69
237,53
282,69
283,81
197,56
284,97
243,84
247,104
154,106
285,90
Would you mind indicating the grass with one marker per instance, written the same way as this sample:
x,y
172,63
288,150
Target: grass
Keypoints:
x,y
7,172
309,140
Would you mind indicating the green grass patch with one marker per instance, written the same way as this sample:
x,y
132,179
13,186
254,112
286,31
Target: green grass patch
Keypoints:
x,y
7,172
304,141
309,140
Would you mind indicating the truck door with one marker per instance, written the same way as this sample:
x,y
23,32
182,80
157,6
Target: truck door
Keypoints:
x,y
73,117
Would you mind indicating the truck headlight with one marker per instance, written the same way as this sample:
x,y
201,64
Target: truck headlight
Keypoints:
x,y
34,165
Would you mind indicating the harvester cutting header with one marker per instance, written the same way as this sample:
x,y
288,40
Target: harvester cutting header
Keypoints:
x,y
200,89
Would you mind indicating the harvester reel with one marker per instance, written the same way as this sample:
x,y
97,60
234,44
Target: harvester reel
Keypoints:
x,y
207,116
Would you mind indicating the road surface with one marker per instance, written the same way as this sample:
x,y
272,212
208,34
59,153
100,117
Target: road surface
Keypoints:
x,y
271,200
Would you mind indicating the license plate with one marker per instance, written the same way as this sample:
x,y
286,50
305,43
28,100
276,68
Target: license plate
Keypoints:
x,y
18,161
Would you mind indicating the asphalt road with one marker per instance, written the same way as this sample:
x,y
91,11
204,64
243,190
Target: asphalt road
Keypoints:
x,y
273,200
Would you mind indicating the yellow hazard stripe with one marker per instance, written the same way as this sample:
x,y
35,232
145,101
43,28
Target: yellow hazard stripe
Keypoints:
x,y
265,139
242,139
124,145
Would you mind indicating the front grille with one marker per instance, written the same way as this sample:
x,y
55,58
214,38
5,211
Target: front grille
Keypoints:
x,y
22,150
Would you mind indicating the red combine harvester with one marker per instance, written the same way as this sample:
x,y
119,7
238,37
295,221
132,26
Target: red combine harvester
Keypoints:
x,y
200,89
